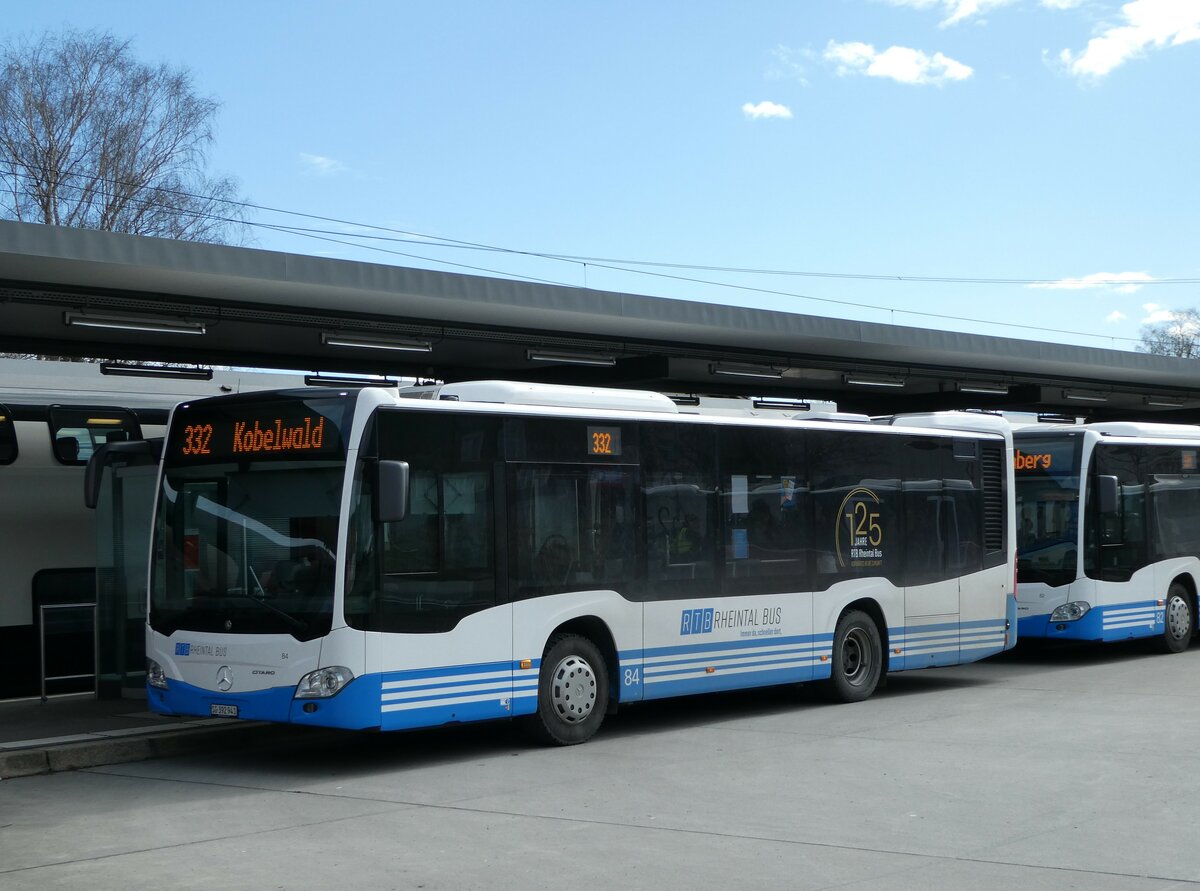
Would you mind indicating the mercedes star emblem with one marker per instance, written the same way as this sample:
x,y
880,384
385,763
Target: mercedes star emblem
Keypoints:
x,y
224,678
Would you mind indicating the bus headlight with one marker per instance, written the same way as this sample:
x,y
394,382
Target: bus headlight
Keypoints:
x,y
155,676
324,682
1071,612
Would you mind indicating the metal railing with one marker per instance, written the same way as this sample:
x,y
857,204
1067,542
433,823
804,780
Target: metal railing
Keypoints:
x,y
42,639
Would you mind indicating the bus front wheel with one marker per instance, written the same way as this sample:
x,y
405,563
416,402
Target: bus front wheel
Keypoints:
x,y
572,692
1178,621
857,658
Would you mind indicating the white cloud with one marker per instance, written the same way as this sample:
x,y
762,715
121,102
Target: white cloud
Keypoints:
x,y
766,110
1144,25
1062,4
321,165
1121,282
899,63
1115,316
956,10
1156,315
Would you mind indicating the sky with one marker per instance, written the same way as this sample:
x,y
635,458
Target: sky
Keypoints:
x,y
1019,168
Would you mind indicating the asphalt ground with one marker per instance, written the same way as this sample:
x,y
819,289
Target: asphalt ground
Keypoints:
x,y
1043,768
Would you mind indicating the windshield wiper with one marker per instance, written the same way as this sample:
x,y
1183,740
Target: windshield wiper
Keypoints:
x,y
296,624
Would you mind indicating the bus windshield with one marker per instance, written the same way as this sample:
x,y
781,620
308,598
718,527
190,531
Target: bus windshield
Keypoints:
x,y
245,537
1047,474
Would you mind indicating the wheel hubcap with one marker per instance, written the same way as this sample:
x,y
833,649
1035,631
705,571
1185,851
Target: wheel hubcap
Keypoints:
x,y
1179,618
856,657
573,689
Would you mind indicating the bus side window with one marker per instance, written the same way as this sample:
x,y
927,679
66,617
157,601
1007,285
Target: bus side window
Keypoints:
x,y
438,563
1123,546
571,528
765,509
857,515
679,491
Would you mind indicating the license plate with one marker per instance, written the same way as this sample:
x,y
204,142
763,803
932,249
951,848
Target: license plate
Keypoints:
x,y
217,710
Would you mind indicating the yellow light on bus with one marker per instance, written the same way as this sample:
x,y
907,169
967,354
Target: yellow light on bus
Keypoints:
x,y
100,422
709,670
3,418
824,658
897,651
527,663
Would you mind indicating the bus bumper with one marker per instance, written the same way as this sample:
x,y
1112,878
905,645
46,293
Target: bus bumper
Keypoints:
x,y
356,707
1106,623
1013,624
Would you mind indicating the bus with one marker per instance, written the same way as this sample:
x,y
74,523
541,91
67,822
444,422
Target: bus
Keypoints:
x,y
1108,542
61,612
390,559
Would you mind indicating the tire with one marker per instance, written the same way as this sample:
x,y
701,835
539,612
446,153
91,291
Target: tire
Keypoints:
x,y
857,659
1179,621
572,692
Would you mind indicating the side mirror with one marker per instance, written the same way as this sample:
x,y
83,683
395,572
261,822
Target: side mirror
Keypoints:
x,y
138,451
391,491
1108,494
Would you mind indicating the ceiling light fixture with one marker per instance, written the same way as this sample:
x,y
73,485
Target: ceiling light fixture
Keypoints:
x,y
1085,396
568,358
133,323
874,380
762,372
983,388
196,373
781,404
1163,402
322,380
369,342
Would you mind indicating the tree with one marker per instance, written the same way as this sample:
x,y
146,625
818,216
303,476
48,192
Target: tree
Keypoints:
x,y
92,138
1180,336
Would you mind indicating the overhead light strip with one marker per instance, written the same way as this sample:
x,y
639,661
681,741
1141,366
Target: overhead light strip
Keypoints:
x,y
983,388
322,380
566,358
760,372
870,380
367,342
134,323
197,373
1163,402
1085,396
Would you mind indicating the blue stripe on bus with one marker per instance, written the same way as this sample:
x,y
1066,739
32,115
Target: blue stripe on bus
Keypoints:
x,y
653,673
458,713
712,656
736,643
1107,623
715,682
446,670
396,697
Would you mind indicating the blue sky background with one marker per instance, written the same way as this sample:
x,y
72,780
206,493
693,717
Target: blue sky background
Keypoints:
x,y
1047,140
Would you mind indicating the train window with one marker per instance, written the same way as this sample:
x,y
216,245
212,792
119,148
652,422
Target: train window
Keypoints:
x,y
76,433
8,437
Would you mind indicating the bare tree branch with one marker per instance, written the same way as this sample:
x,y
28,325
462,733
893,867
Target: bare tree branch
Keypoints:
x,y
90,137
1178,337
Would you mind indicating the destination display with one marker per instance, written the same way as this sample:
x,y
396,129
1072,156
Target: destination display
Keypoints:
x,y
604,441
280,430
1046,457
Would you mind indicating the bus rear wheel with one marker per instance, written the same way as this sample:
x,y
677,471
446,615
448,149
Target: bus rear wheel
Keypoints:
x,y
1178,621
857,658
572,692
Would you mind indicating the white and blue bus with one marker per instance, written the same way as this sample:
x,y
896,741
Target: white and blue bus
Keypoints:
x,y
360,559
1108,539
